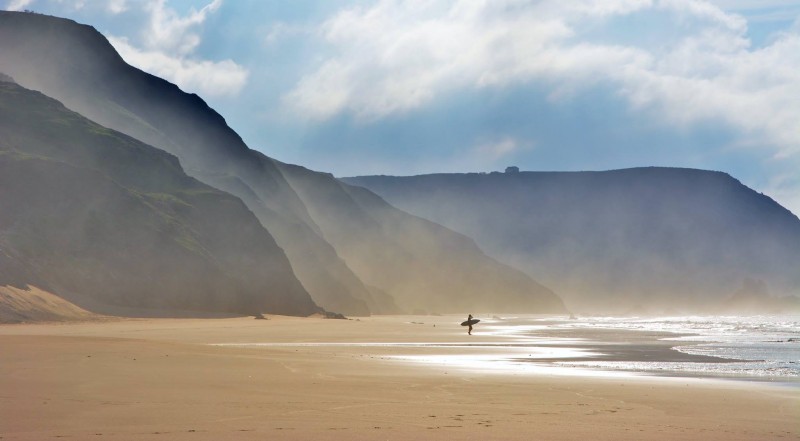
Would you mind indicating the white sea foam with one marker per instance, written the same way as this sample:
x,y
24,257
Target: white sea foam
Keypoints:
x,y
763,346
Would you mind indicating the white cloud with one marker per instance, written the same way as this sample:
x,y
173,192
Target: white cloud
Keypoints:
x,y
18,5
208,78
117,6
606,8
169,42
702,9
497,149
753,4
397,56
715,77
170,32
400,55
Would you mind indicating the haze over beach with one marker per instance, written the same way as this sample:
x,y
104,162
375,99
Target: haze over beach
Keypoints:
x,y
607,192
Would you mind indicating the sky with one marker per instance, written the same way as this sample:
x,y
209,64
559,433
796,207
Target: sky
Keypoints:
x,y
357,87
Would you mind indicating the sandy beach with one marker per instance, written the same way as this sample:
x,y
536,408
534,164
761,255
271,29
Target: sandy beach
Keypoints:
x,y
314,378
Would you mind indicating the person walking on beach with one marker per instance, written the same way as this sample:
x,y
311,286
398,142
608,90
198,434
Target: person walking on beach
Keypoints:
x,y
468,323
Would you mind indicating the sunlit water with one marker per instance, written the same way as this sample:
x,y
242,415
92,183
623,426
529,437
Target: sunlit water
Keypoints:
x,y
763,347
766,347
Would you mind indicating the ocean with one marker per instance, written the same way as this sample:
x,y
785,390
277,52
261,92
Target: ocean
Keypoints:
x,y
762,347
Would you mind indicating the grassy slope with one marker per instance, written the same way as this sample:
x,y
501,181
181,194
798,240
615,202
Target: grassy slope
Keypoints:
x,y
105,220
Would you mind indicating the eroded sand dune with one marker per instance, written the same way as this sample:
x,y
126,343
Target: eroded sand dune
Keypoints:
x,y
35,305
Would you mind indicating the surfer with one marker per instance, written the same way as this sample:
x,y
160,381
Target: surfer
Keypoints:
x,y
469,322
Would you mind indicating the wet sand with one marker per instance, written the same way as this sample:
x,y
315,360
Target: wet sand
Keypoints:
x,y
210,379
621,345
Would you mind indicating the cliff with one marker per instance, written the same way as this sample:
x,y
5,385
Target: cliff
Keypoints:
x,y
616,240
110,223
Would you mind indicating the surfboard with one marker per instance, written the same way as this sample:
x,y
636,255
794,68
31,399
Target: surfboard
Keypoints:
x,y
469,322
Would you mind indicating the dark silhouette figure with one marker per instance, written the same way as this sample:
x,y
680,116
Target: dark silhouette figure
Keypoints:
x,y
469,327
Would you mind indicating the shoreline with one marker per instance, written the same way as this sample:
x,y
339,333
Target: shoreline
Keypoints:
x,y
147,378
588,352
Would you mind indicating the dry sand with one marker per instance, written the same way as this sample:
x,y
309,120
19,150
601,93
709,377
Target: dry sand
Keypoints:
x,y
162,379
35,304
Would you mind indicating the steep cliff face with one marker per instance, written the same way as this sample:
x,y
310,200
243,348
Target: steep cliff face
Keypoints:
x,y
423,265
77,65
115,226
673,238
